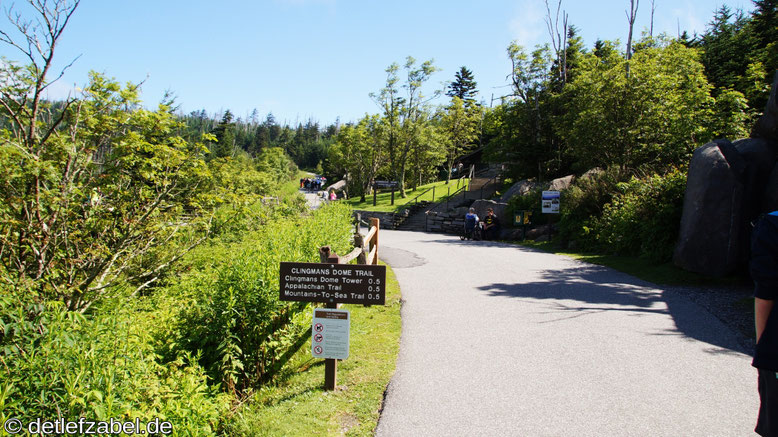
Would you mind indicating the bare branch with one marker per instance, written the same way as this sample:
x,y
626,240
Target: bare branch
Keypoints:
x,y
631,16
651,29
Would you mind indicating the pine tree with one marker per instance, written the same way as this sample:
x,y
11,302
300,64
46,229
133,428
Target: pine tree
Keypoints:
x,y
225,135
764,21
463,86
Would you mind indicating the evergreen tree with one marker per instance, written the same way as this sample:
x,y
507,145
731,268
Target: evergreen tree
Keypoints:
x,y
604,50
463,86
225,136
725,50
765,22
764,32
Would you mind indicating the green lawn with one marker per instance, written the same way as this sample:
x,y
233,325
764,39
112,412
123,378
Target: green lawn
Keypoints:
x,y
298,405
383,200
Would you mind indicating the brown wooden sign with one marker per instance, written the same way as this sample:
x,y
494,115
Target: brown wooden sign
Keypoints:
x,y
361,284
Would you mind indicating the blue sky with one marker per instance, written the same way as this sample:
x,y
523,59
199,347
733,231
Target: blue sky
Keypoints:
x,y
320,59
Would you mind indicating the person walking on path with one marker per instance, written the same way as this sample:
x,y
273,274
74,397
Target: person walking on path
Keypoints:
x,y
764,271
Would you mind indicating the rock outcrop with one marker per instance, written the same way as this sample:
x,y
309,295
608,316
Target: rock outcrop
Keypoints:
x,y
728,186
562,183
519,189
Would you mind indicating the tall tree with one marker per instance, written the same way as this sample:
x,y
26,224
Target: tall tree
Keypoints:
x,y
463,86
764,26
654,118
404,113
414,114
558,38
390,102
460,130
359,152
91,189
225,136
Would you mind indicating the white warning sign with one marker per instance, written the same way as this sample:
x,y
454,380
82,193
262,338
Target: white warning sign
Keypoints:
x,y
330,333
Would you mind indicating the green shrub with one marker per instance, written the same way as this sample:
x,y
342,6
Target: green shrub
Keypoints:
x,y
528,202
58,363
231,314
583,201
643,218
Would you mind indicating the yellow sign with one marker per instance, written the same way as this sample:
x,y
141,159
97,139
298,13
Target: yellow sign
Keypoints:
x,y
522,218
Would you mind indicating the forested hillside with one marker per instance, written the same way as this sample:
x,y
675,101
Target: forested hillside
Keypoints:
x,y
139,248
138,251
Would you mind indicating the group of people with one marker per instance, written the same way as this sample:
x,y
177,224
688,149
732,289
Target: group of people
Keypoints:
x,y
312,184
488,228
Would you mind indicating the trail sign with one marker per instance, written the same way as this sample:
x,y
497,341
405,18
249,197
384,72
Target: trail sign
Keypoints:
x,y
330,333
386,184
550,202
362,284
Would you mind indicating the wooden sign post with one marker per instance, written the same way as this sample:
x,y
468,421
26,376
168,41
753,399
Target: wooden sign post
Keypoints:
x,y
333,282
330,364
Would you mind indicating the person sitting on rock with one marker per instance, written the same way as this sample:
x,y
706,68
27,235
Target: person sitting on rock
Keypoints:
x,y
491,225
471,222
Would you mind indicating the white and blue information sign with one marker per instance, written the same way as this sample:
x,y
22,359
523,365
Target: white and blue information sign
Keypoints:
x,y
330,333
550,202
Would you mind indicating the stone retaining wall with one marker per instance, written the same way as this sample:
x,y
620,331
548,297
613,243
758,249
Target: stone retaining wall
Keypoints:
x,y
387,220
446,222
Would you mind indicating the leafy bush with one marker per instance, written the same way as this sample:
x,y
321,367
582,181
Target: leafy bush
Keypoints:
x,y
231,314
528,202
643,218
59,363
585,200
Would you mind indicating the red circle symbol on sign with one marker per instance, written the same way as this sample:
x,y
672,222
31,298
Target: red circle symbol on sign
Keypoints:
x,y
318,337
318,327
317,350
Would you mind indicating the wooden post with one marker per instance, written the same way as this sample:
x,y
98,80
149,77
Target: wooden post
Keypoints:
x,y
375,223
392,194
433,194
330,365
359,241
375,192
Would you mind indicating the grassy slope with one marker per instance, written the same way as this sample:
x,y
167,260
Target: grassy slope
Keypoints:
x,y
292,187
383,200
298,404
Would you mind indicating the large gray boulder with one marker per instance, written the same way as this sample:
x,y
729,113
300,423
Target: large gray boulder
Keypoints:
x,y
562,183
500,210
337,186
728,186
709,237
519,189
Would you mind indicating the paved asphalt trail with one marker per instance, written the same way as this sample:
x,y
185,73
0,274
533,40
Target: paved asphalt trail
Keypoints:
x,y
499,340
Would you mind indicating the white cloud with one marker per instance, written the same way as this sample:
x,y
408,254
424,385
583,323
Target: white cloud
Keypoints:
x,y
527,25
688,17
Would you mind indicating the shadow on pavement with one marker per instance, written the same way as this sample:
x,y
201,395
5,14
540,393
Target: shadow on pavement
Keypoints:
x,y
597,289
